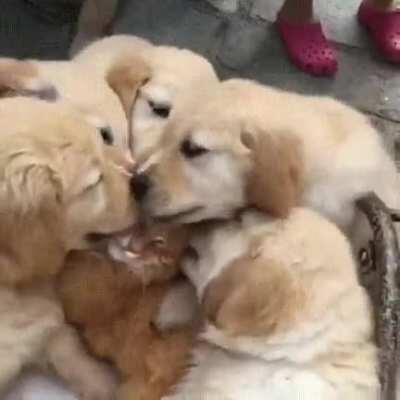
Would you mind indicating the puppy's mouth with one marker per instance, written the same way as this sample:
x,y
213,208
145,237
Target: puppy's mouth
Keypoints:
x,y
181,216
129,245
99,237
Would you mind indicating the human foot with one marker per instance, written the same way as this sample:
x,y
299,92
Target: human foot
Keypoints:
x,y
383,26
308,47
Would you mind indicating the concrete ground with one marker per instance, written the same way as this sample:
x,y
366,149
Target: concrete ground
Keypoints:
x,y
243,44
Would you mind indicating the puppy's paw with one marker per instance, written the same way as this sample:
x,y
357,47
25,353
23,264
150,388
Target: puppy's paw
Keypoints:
x,y
99,383
178,309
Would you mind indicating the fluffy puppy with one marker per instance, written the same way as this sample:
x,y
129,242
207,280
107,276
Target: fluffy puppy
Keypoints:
x,y
67,81
60,185
130,299
283,319
243,143
149,79
151,83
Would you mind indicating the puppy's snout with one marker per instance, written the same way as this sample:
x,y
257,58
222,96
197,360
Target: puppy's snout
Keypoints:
x,y
140,185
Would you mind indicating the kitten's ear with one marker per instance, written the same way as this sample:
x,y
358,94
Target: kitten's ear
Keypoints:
x,y
21,78
126,77
274,184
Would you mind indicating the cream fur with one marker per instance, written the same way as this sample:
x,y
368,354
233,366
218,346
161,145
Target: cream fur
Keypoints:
x,y
174,75
323,350
336,156
82,83
58,183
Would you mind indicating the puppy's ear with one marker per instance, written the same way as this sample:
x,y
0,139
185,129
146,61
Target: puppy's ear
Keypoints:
x,y
21,78
126,77
82,173
275,182
253,297
30,185
31,239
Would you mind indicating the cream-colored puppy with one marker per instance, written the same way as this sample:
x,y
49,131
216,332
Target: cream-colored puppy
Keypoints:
x,y
149,79
80,83
285,317
244,143
60,187
151,83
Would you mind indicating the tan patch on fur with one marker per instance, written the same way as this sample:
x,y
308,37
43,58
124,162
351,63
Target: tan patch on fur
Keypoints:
x,y
126,77
253,297
14,74
276,181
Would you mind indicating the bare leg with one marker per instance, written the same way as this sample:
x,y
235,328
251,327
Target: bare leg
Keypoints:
x,y
94,20
383,4
304,38
382,20
298,11
90,379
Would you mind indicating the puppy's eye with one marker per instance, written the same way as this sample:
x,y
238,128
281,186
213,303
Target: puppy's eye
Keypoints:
x,y
191,150
161,110
106,134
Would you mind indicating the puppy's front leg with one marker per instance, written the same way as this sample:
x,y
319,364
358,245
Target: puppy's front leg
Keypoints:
x,y
91,379
26,323
179,307
10,366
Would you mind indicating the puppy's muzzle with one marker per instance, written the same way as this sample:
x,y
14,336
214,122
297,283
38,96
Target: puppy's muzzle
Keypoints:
x,y
140,185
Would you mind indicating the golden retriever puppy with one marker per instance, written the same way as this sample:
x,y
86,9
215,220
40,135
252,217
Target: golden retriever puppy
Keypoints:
x,y
285,317
60,186
149,101
152,77
83,86
130,300
243,143
148,85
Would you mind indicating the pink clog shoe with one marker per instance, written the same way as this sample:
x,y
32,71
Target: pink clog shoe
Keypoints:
x,y
308,47
384,29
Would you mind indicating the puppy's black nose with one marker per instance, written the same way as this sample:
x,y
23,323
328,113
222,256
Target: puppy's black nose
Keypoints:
x,y
140,185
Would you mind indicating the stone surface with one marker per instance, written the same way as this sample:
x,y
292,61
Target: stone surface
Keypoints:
x,y
171,22
240,43
390,132
24,34
389,105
